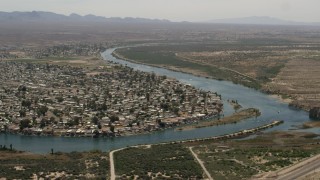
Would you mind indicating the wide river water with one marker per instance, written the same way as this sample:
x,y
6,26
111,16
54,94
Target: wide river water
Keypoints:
x,y
270,108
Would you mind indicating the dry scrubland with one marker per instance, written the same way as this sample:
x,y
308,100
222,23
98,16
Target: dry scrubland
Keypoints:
x,y
294,74
290,69
231,159
280,60
244,159
299,80
75,165
227,159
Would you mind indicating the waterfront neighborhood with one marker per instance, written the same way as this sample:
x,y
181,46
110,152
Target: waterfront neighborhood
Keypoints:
x,y
109,100
111,90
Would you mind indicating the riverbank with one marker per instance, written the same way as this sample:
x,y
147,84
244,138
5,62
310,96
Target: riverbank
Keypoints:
x,y
236,117
299,80
248,98
281,98
125,162
168,157
171,68
311,124
198,74
122,101
263,82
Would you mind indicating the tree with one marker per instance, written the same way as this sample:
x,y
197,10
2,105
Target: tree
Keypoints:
x,y
22,88
59,99
56,112
52,119
42,110
176,110
148,97
95,120
104,106
112,129
43,123
76,120
114,118
22,113
25,123
26,103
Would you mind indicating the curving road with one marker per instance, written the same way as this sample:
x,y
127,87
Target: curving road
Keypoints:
x,y
112,169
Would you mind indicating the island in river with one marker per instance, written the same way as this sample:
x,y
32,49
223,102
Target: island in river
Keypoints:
x,y
234,118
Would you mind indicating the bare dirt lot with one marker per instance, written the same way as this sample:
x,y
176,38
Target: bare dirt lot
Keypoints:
x,y
299,80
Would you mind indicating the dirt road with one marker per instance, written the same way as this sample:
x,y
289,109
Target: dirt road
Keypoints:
x,y
112,169
201,164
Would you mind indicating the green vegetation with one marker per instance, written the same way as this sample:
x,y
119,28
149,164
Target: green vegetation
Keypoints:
x,y
250,62
154,57
264,74
173,161
234,118
162,56
18,165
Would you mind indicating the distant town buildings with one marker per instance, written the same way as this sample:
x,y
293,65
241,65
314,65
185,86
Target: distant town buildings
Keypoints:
x,y
45,99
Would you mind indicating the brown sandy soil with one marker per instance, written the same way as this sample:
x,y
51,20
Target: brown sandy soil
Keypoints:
x,y
281,98
18,53
299,79
311,124
9,154
312,176
247,63
78,61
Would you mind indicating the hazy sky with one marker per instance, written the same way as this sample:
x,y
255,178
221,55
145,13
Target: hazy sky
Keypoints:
x,y
176,10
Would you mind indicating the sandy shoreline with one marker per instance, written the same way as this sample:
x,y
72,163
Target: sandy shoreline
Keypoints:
x,y
280,99
193,72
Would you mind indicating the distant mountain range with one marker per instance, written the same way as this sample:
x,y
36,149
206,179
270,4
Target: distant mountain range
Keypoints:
x,y
260,20
38,16
41,16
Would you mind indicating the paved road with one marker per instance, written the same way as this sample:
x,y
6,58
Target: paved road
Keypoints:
x,y
201,164
303,169
296,171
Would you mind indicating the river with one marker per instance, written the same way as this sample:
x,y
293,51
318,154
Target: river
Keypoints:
x,y
270,108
